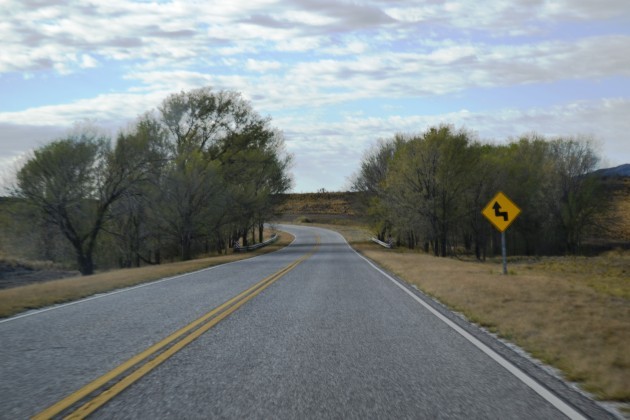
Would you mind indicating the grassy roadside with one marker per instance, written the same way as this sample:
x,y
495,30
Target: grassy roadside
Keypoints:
x,y
572,313
20,299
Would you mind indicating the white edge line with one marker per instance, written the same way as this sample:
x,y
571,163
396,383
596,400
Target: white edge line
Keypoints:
x,y
563,407
128,289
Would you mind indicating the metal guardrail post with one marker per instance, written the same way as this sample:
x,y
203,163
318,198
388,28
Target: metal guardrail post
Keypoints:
x,y
381,243
239,248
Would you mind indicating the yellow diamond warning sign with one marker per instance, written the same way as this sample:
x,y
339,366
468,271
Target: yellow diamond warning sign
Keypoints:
x,y
501,212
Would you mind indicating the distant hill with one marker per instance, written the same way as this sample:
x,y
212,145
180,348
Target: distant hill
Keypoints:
x,y
621,171
330,203
324,207
615,215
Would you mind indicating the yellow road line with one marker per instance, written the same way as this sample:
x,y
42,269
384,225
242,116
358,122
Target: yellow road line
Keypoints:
x,y
210,319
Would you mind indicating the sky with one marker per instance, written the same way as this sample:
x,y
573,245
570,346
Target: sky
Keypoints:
x,y
334,76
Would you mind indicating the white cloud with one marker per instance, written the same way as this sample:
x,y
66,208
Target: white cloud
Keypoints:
x,y
302,44
87,61
106,109
511,18
351,47
262,66
298,57
308,138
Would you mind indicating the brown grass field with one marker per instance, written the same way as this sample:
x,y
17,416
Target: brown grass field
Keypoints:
x,y
19,299
617,218
326,204
573,314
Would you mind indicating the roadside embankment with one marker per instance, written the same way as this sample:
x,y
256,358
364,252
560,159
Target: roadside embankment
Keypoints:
x,y
38,295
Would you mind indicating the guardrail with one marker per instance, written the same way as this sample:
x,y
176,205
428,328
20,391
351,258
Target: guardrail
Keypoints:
x,y
388,245
239,248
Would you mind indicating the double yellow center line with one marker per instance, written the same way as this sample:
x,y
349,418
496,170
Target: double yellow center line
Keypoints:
x,y
88,399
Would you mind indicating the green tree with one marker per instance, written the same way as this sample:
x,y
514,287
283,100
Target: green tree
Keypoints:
x,y
73,183
430,188
255,169
134,225
525,174
370,183
190,199
577,195
483,178
185,177
243,157
428,178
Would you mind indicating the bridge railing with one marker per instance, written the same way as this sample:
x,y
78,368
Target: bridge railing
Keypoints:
x,y
239,248
388,245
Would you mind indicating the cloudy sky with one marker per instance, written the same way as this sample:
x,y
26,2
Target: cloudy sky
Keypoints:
x,y
334,75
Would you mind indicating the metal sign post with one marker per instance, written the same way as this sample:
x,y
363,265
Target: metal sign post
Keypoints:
x,y
501,212
504,252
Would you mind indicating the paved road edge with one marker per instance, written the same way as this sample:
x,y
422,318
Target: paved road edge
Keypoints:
x,y
564,390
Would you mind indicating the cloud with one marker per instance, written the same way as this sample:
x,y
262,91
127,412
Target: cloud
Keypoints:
x,y
105,109
41,36
296,59
262,66
308,139
17,141
507,18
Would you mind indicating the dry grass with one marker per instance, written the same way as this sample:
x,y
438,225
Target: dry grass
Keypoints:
x,y
354,234
324,203
571,313
19,299
620,210
615,217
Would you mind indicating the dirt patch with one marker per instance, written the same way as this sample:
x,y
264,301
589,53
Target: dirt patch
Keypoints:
x,y
15,275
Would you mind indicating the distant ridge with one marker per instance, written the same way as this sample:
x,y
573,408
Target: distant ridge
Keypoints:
x,y
621,171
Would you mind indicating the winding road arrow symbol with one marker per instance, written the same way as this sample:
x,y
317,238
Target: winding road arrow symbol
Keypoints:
x,y
501,212
498,213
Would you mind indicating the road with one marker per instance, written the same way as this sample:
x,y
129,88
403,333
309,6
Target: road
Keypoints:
x,y
325,335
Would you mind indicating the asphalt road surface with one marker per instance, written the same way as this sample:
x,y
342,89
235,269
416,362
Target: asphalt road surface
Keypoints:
x,y
319,333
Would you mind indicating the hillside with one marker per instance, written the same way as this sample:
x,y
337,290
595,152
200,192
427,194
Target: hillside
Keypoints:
x,y
615,219
321,206
621,171
616,216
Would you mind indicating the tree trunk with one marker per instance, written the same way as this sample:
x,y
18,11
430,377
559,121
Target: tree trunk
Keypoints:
x,y
86,265
186,247
245,243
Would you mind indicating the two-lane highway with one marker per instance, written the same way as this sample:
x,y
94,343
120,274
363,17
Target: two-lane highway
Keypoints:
x,y
313,330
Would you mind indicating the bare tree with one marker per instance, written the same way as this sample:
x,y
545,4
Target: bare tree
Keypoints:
x,y
428,178
74,181
577,196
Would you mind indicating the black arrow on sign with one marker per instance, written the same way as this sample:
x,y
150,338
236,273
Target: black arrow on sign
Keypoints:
x,y
498,213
